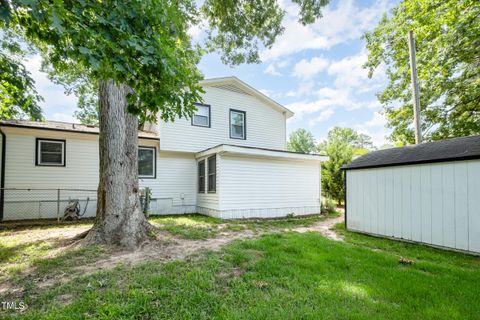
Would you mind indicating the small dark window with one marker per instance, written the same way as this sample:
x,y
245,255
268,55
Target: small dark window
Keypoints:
x,y
212,174
201,176
146,162
238,124
50,152
201,117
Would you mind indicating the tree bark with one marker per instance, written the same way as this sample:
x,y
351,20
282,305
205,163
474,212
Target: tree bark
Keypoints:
x,y
119,220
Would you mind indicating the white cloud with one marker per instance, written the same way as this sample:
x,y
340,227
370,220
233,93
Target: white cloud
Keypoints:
x,y
271,93
345,22
57,116
350,80
56,105
306,69
305,88
283,63
303,107
349,77
375,128
378,120
323,116
348,71
379,135
271,70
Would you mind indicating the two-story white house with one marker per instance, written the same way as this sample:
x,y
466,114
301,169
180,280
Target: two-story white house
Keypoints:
x,y
229,161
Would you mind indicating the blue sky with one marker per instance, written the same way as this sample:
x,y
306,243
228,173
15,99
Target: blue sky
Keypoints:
x,y
313,70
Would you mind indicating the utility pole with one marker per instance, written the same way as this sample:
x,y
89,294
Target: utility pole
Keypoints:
x,y
415,90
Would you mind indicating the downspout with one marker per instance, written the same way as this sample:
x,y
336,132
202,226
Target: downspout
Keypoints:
x,y
2,175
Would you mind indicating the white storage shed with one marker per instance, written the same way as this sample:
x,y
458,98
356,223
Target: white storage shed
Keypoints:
x,y
428,193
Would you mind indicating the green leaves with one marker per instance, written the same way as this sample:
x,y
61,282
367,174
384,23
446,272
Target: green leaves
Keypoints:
x,y
339,154
302,141
448,49
18,97
310,10
340,146
238,29
144,43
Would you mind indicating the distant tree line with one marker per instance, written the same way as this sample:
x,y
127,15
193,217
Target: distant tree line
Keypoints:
x,y
341,145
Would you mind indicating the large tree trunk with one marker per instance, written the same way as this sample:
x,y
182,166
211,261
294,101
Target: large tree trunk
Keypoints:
x,y
119,219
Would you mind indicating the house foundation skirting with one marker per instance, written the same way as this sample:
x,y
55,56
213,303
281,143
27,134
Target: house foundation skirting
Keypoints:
x,y
258,213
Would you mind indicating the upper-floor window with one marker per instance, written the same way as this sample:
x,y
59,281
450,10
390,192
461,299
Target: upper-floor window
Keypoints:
x,y
146,162
50,152
238,124
201,176
212,174
201,117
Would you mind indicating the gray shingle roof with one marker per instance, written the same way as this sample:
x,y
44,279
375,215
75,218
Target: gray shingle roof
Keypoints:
x,y
65,126
438,151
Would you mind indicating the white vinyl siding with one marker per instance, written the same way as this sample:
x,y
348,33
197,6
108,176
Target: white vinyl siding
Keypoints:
x,y
256,183
435,203
265,126
80,172
174,189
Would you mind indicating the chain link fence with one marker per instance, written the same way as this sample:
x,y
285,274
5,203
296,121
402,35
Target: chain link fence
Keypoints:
x,y
26,204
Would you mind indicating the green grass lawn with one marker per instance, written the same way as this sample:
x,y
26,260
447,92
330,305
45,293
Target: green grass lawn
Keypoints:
x,y
196,227
278,276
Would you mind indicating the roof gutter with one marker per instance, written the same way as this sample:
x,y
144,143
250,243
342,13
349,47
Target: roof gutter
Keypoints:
x,y
2,175
14,125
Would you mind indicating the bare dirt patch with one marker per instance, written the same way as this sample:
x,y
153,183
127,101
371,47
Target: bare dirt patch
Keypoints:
x,y
164,248
324,227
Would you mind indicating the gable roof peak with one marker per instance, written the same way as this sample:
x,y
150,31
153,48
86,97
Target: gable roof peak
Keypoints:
x,y
234,84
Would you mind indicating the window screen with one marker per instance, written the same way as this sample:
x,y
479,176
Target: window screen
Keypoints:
x,y
212,174
237,124
201,117
50,152
201,176
146,162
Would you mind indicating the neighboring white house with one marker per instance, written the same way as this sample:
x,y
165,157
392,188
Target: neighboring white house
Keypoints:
x,y
228,161
428,193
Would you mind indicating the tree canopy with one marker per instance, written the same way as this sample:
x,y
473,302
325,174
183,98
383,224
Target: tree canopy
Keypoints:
x,y
448,60
349,137
340,147
302,141
18,96
139,58
145,44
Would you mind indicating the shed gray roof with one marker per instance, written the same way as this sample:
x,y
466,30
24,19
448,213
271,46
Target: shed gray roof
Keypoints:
x,y
438,151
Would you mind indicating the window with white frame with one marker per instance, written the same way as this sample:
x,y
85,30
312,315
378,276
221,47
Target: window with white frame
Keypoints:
x,y
50,152
238,124
201,117
146,162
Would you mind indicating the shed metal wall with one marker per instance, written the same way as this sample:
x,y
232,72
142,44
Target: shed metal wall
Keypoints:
x,y
436,203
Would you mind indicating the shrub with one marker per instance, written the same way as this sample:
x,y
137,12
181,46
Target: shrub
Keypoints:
x,y
327,207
